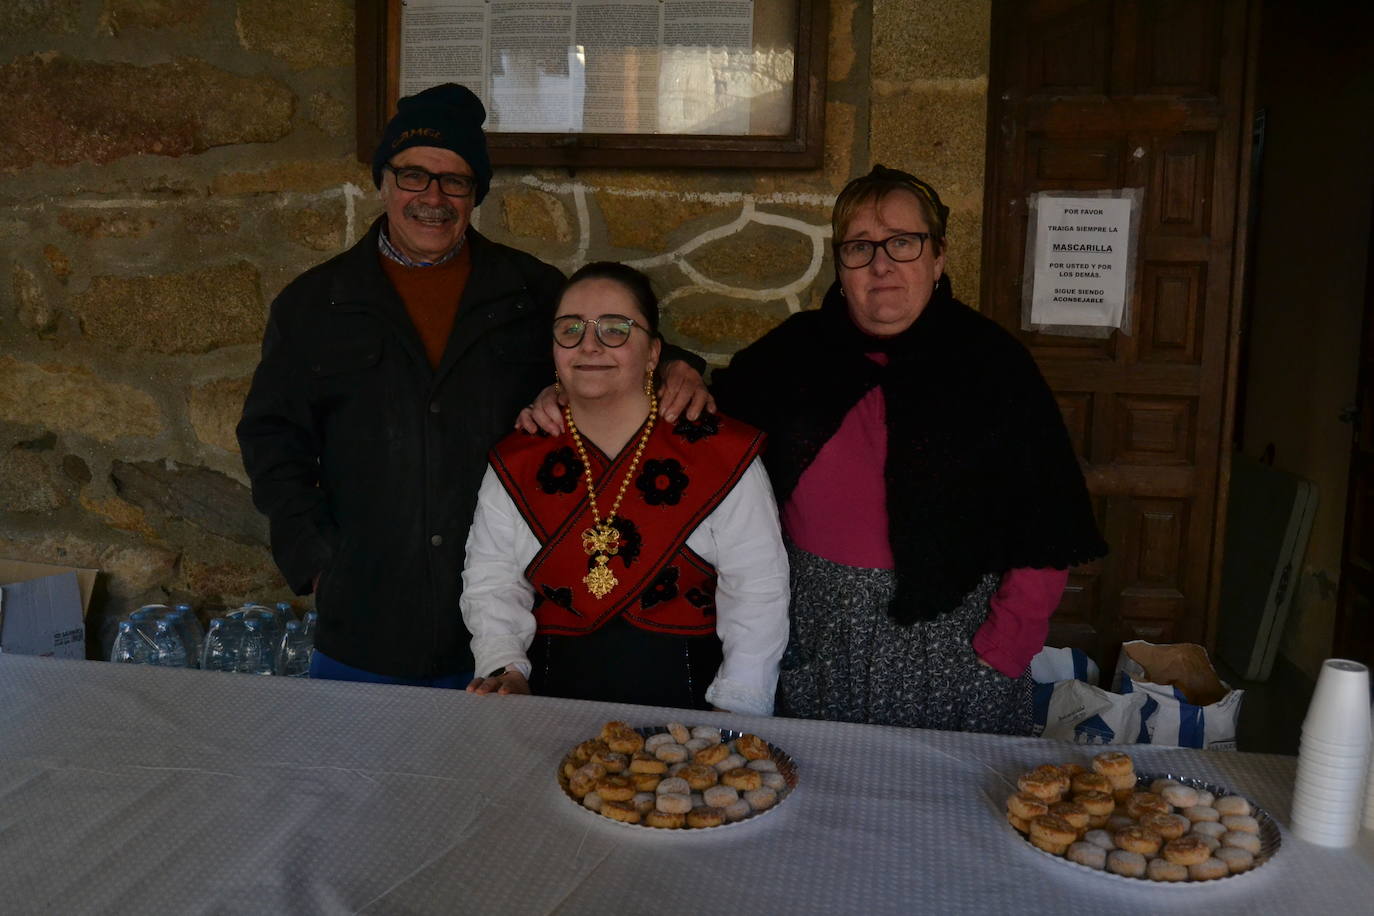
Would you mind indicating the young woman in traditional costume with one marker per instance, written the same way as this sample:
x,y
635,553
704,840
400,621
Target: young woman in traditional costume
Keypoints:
x,y
626,560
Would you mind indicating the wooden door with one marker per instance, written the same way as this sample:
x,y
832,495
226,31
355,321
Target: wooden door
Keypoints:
x,y
1153,94
1354,636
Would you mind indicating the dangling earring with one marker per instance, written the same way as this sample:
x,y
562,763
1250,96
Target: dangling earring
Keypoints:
x,y
649,381
557,383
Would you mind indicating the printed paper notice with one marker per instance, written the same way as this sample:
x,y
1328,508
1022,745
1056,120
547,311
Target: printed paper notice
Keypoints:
x,y
443,41
1082,248
596,66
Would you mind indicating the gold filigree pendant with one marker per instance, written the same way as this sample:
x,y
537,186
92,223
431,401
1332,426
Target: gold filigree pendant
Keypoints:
x,y
601,539
600,580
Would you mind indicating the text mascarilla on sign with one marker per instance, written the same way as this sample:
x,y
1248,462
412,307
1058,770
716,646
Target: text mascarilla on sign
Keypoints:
x,y
1079,260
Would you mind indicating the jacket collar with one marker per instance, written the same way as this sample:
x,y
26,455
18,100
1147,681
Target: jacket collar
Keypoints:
x,y
363,285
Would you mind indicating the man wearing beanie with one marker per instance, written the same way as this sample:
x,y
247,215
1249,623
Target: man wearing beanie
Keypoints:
x,y
386,374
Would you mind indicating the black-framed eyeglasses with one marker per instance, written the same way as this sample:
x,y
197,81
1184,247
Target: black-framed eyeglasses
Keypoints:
x,y
611,330
409,178
904,246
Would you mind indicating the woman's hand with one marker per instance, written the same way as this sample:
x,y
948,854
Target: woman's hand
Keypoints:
x,y
546,413
508,683
683,391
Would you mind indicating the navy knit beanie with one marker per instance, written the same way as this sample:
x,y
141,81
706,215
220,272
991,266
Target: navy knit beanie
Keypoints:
x,y
450,117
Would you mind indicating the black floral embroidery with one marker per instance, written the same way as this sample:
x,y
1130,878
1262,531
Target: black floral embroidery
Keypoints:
x,y
631,541
699,599
707,425
559,596
663,588
662,482
561,471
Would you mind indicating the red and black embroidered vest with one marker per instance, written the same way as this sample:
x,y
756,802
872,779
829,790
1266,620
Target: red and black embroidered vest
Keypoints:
x,y
664,586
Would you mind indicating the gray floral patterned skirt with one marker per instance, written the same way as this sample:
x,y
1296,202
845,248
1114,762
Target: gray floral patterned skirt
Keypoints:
x,y
849,661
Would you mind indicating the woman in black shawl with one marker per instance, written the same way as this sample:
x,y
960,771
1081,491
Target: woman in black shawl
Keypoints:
x,y
929,492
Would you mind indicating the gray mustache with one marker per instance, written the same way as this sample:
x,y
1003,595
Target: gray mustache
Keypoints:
x,y
417,210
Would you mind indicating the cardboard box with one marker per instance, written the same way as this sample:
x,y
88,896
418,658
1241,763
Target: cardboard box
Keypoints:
x,y
43,608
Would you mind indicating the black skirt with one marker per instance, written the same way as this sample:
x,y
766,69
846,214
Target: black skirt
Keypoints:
x,y
621,663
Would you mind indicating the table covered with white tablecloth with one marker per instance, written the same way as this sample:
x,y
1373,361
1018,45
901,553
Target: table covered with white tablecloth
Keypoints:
x,y
134,789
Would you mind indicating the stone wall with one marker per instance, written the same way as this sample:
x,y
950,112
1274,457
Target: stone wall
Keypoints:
x,y
168,165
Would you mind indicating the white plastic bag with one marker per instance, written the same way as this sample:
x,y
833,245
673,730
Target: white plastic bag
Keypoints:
x,y
1052,665
1084,714
1186,704
1069,707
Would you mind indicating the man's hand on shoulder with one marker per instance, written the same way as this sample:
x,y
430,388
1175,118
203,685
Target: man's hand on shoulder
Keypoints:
x,y
683,391
544,414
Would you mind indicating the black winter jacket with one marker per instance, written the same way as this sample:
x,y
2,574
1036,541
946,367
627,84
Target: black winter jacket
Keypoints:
x,y
367,461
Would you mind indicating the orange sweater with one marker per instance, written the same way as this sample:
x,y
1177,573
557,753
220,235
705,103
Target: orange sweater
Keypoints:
x,y
431,296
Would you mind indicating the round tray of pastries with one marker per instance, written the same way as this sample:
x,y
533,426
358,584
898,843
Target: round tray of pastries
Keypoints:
x,y
1163,828
675,777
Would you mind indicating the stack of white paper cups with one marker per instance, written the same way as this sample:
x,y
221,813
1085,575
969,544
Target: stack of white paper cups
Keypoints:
x,y
1369,786
1334,756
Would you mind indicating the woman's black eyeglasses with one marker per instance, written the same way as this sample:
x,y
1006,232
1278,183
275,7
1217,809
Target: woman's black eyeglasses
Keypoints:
x,y
409,178
611,330
905,246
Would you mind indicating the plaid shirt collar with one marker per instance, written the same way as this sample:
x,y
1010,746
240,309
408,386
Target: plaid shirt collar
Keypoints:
x,y
390,251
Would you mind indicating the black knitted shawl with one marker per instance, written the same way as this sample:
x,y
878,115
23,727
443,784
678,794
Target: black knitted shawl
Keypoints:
x,y
980,473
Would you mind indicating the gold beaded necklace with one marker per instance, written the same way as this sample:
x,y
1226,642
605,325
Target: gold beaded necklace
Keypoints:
x,y
601,540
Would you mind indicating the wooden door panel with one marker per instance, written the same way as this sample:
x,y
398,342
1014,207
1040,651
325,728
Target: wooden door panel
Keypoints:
x,y
1081,599
1081,163
1102,94
1077,409
1047,347
1153,429
1178,200
1153,630
1354,631
1171,312
1068,50
1354,636
1178,48
1359,546
1157,558
1114,376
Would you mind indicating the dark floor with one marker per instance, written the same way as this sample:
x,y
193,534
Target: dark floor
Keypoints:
x,y
1272,712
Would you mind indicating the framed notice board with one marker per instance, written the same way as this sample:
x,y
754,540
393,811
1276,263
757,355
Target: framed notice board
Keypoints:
x,y
637,83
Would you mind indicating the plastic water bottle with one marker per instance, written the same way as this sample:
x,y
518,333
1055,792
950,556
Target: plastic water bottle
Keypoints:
x,y
191,649
272,625
131,646
171,650
285,613
258,648
193,632
309,624
246,610
145,618
223,645
294,658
